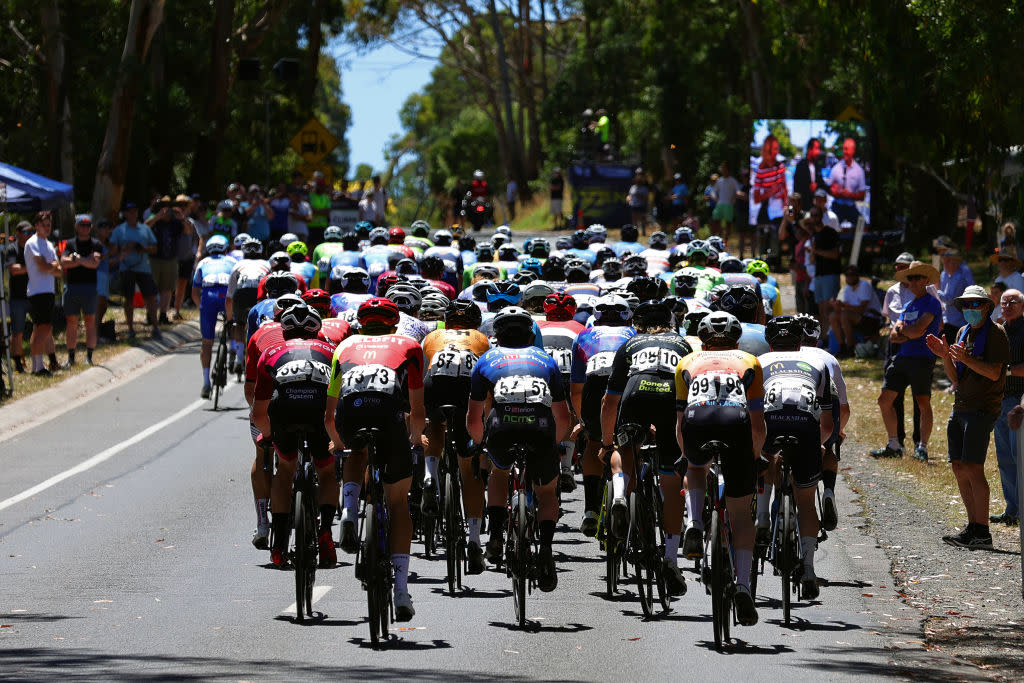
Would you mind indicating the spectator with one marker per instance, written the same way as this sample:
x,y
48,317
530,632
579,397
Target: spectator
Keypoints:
x,y
240,207
828,217
19,295
854,304
1008,240
825,251
280,204
80,260
912,364
168,225
320,206
42,266
801,276
680,195
131,244
769,187
186,252
794,214
1012,303
260,213
953,283
976,365
511,195
637,198
807,178
299,215
366,210
104,276
741,213
1007,263
724,192
380,201
995,294
299,184
556,189
848,185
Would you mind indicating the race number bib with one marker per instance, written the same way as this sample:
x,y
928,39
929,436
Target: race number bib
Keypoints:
x,y
719,388
520,389
369,378
563,357
655,361
216,279
600,363
303,371
453,362
247,282
785,392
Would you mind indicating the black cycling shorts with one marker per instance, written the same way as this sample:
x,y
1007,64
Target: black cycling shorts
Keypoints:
x,y
730,425
391,441
645,411
805,459
590,405
533,428
286,426
441,391
243,300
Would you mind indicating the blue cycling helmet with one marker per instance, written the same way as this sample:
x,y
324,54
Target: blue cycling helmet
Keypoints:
x,y
218,244
531,264
501,294
683,235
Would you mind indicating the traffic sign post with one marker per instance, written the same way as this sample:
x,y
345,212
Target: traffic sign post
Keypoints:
x,y
314,142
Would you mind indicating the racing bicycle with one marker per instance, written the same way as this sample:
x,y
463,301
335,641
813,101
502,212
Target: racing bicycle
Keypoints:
x,y
521,543
373,560
718,573
219,375
304,521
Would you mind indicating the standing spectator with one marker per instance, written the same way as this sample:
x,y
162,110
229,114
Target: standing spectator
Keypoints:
x,y
260,213
280,203
511,195
1012,303
793,215
953,283
800,274
1007,264
637,198
366,210
828,217
680,195
18,293
168,225
976,365
1008,240
104,275
320,205
43,266
848,184
741,213
556,190
855,302
380,201
724,192
186,252
807,178
130,247
81,258
913,362
825,250
299,183
299,215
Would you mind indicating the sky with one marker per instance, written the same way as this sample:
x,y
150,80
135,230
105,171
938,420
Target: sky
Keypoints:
x,y
375,85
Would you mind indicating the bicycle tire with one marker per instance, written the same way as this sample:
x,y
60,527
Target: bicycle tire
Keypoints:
x,y
521,561
219,371
657,522
717,580
301,550
787,557
452,531
370,558
639,547
611,556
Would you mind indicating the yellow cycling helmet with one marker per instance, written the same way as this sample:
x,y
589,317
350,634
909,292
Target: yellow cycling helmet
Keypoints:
x,y
297,248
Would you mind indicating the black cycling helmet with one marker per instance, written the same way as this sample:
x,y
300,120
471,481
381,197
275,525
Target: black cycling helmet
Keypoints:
x,y
432,264
685,284
811,328
350,241
658,240
629,233
523,277
719,329
784,333
553,269
280,262
603,254
563,242
653,313
484,252
513,321
647,288
300,321
741,301
577,270
691,320
677,305
730,264
612,269
580,240
467,243
463,314
508,252
406,267
634,266
278,284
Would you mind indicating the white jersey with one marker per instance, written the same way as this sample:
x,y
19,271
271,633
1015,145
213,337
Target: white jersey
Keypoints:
x,y
834,371
246,274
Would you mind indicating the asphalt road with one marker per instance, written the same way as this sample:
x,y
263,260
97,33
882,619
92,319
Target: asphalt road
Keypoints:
x,y
140,567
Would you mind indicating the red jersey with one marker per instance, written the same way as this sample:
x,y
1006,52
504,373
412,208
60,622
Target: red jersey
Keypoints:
x,y
445,288
268,334
261,294
389,364
298,371
335,330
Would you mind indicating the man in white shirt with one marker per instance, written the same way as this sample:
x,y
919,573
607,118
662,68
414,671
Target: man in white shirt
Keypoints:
x,y
1008,264
847,184
856,300
43,266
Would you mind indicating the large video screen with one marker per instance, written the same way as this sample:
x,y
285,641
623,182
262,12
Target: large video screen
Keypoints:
x,y
807,156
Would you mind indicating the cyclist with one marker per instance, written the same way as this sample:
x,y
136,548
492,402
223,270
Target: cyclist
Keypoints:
x,y
243,290
720,397
444,250
578,248
435,270
240,239
501,295
451,354
560,332
419,240
797,402
697,254
592,355
349,287
351,255
528,409
272,286
508,258
325,251
332,330
297,252
769,289
609,273
289,397
641,382
209,292
657,253
378,257
627,241
396,242
744,303
376,379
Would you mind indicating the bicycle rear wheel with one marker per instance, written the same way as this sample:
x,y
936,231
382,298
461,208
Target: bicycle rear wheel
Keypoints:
x,y
639,546
220,370
658,546
787,556
611,546
520,561
371,572
453,534
718,551
302,559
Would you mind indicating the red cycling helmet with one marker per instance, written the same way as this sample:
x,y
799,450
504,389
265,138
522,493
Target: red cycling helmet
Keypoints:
x,y
396,235
319,300
378,311
559,306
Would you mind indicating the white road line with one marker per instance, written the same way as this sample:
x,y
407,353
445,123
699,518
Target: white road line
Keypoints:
x,y
104,455
318,592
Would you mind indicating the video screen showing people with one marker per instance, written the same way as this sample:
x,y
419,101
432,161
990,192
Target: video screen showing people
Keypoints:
x,y
813,158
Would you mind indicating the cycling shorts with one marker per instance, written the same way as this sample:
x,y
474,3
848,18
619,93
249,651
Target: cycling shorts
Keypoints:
x,y
806,459
730,425
538,437
243,300
439,391
645,411
285,431
391,441
209,308
590,405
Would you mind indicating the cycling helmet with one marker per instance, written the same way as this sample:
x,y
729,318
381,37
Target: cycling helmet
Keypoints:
x,y
502,294
634,265
319,300
284,302
420,228
685,284
719,329
511,319
498,239
647,288
332,233
287,239
350,241
612,268
299,320
692,320
363,228
484,252
677,305
433,308
579,240
563,242
463,314
407,298
712,257
297,249
537,290
629,233
378,236
252,248
532,265
811,327
758,269
466,242
658,240
406,267
240,239
683,235
603,254
597,233
697,252
218,244
559,306
653,313
279,283
716,243
396,235
378,311
443,238
355,280
503,230
784,333
432,264
479,290
553,269
226,205
577,270
508,252
741,301
280,261
488,271
385,282
730,264
611,309
524,277
539,247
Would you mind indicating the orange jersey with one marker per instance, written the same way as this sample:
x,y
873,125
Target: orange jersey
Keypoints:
x,y
473,340
720,378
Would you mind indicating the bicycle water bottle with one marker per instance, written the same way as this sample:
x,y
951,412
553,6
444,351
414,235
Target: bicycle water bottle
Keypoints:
x,y
529,499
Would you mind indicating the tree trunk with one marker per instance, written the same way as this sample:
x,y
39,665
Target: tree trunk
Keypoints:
x,y
57,106
203,177
512,139
145,18
754,60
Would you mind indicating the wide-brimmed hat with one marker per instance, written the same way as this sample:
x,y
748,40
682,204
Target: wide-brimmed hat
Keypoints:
x,y
183,200
943,242
919,268
1005,254
972,293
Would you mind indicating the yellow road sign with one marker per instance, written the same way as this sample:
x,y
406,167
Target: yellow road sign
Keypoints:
x,y
313,142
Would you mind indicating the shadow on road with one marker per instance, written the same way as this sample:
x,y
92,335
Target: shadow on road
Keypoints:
x,y
533,626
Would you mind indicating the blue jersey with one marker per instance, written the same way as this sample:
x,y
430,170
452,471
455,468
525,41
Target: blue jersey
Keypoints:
x,y
585,254
350,259
306,270
212,276
450,255
594,351
752,340
468,258
525,376
346,301
621,248
510,267
262,312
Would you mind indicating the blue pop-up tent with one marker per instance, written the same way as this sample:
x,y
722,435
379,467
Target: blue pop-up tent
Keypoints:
x,y
27,191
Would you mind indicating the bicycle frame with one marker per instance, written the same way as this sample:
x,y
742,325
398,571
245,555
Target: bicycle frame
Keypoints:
x,y
377,579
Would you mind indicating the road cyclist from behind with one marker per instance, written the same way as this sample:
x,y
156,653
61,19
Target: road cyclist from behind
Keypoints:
x,y
243,293
209,293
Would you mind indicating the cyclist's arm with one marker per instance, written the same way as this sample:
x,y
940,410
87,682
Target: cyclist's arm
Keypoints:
x,y
332,429
827,425
560,410
609,413
576,397
197,286
758,430
417,414
475,423
261,416
679,429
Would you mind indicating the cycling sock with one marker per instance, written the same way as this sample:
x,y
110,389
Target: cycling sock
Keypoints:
x,y
672,547
431,466
895,444
547,532
71,356
592,487
496,520
206,377
88,355
808,544
261,511
695,507
350,497
281,526
327,513
764,506
620,481
828,478
743,560
401,563
53,360
474,529
37,362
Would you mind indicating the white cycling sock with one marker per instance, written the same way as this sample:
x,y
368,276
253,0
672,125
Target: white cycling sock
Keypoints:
x,y
808,545
431,467
350,497
743,560
261,511
695,507
401,563
672,547
474,529
764,506
206,377
619,483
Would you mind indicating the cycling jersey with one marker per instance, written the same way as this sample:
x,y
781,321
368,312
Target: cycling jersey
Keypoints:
x,y
559,336
261,292
657,260
450,255
752,340
585,254
243,286
322,257
621,248
346,301
707,278
578,289
349,259
335,330
408,326
260,313
509,268
592,357
305,271
378,259
451,356
741,279
211,277
268,334
467,274
406,252
771,294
